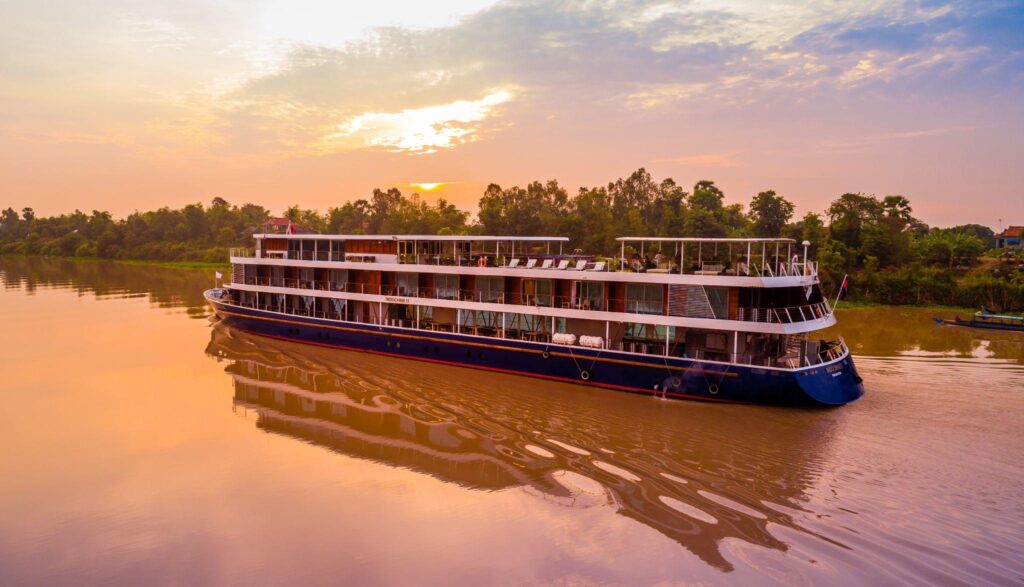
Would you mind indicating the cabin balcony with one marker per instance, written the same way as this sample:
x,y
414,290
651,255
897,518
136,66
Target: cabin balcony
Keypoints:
x,y
587,299
776,351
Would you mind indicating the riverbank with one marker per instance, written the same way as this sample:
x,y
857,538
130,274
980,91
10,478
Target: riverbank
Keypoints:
x,y
224,268
865,305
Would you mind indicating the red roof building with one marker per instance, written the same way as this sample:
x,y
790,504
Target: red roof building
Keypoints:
x,y
1010,238
283,226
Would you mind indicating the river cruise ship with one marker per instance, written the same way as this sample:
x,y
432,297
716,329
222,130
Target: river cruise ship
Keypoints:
x,y
729,320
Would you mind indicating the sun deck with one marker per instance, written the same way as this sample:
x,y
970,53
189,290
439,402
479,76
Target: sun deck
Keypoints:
x,y
718,257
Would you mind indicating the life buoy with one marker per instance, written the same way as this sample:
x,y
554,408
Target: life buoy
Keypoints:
x,y
585,375
481,261
545,354
675,382
713,389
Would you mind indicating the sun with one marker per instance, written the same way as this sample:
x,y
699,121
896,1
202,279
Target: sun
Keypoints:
x,y
427,187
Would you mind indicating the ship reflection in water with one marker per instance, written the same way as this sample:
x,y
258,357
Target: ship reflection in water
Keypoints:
x,y
668,465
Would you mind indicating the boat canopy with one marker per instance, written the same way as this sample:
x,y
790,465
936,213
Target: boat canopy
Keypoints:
x,y
986,316
713,256
668,239
416,237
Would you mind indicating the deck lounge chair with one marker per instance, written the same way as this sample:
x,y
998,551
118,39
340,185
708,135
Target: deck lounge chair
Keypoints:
x,y
580,265
531,263
598,266
513,264
563,264
547,263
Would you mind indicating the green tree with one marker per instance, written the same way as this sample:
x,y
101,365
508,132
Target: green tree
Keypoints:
x,y
705,217
770,212
849,215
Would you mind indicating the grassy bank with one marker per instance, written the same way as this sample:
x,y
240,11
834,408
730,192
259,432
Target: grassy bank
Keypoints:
x,y
864,305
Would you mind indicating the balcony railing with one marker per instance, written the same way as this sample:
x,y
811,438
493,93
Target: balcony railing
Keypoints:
x,y
786,315
798,353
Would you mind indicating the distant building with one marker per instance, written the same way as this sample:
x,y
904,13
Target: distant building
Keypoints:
x,y
1010,238
283,226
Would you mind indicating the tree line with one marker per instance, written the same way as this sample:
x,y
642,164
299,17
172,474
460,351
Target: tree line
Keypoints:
x,y
893,256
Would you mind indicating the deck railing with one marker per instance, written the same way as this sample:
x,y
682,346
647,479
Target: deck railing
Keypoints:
x,y
787,315
801,354
798,352
576,263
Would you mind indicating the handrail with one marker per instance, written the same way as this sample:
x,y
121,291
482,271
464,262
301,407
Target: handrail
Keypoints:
x,y
611,264
832,351
788,315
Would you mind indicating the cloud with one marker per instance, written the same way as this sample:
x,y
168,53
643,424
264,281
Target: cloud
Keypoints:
x,y
251,89
418,130
152,34
404,89
864,142
705,160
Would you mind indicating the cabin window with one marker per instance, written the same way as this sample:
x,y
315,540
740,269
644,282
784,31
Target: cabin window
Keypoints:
x,y
406,284
490,289
644,298
323,250
446,287
537,292
337,250
339,277
719,299
339,307
480,319
651,332
588,295
715,341
516,323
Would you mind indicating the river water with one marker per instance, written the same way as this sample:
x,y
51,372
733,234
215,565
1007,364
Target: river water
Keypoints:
x,y
143,443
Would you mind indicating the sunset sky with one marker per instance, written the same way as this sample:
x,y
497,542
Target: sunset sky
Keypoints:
x,y
125,105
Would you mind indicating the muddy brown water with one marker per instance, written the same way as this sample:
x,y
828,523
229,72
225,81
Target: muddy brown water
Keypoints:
x,y
144,443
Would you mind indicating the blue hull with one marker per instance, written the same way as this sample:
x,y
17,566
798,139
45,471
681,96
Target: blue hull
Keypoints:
x,y
829,384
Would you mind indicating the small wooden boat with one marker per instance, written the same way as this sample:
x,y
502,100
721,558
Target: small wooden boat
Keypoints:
x,y
987,321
